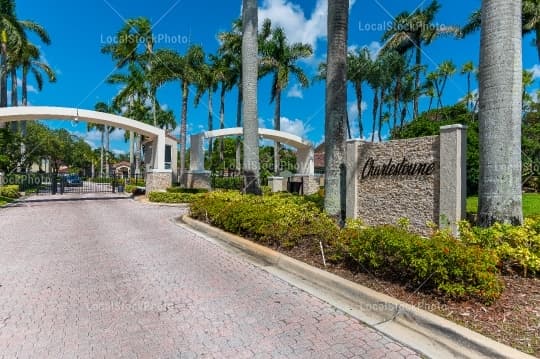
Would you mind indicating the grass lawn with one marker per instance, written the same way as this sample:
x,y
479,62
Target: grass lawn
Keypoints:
x,y
531,204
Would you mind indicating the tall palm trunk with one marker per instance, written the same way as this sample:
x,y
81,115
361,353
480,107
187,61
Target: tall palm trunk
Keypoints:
x,y
537,32
375,111
417,78
336,107
183,128
14,96
250,72
132,152
359,97
24,96
102,157
3,75
210,119
222,122
277,127
500,198
107,148
238,153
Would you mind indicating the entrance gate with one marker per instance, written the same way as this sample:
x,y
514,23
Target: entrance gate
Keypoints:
x,y
50,183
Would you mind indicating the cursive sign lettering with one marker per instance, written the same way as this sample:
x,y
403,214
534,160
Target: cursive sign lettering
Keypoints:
x,y
392,169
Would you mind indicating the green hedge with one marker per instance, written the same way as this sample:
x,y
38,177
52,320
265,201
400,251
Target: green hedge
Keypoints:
x,y
10,191
236,183
167,197
280,219
439,263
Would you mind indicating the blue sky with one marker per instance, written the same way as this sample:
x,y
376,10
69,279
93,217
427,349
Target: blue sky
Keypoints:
x,y
80,28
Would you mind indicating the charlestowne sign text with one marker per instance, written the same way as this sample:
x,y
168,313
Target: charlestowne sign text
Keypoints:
x,y
391,168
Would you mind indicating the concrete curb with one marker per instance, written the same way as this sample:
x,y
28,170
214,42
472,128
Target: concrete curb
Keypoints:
x,y
425,332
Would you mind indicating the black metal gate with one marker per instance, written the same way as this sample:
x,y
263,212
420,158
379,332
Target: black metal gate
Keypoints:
x,y
51,183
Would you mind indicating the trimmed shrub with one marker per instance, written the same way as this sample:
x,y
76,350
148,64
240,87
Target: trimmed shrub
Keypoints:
x,y
440,263
517,246
166,197
10,191
236,183
281,219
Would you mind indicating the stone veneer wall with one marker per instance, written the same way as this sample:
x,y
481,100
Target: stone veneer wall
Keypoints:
x,y
157,181
386,199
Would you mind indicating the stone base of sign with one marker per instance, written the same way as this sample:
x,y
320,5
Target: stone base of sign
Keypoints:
x,y
277,184
197,179
421,179
158,181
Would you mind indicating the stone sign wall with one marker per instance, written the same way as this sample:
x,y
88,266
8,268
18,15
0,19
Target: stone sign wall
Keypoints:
x,y
402,179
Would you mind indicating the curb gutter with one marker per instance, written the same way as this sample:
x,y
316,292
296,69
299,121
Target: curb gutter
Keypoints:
x,y
423,331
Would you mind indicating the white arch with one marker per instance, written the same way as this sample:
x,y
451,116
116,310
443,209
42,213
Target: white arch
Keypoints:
x,y
34,113
305,154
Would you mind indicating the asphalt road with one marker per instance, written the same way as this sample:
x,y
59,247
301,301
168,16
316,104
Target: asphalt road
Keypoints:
x,y
88,276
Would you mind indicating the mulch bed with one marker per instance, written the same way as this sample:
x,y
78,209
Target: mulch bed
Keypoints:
x,y
514,319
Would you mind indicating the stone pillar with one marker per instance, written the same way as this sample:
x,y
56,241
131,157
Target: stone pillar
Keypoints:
x,y
2,179
196,159
197,179
351,181
277,184
310,183
158,152
158,181
453,176
305,160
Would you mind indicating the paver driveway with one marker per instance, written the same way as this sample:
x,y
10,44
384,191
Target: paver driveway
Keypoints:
x,y
113,278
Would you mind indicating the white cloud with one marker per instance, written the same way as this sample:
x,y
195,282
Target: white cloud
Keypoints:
x,y
535,71
118,152
117,135
296,127
374,48
292,19
295,92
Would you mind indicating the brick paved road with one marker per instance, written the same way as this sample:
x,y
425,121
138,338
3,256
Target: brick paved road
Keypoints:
x,y
115,278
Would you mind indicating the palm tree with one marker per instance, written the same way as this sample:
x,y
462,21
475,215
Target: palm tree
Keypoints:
x,y
530,21
12,40
279,59
135,45
410,32
171,66
500,198
336,107
468,69
231,49
106,131
207,82
133,95
250,71
226,76
359,63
